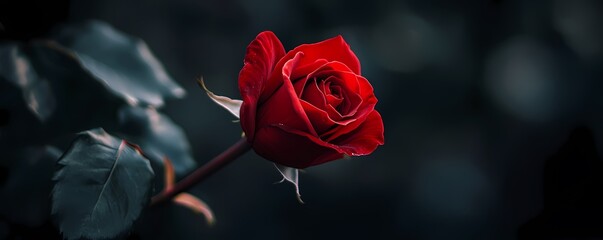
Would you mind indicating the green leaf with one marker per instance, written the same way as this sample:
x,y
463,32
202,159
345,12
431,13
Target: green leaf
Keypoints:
x,y
26,192
158,137
101,188
124,63
26,99
16,68
16,119
80,101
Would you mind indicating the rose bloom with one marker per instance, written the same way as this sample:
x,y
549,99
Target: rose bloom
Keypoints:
x,y
307,106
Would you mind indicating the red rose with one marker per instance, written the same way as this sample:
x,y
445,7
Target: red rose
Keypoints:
x,y
308,106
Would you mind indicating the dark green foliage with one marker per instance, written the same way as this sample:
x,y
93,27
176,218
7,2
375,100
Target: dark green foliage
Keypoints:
x,y
85,76
61,96
125,64
158,136
16,68
25,99
101,188
26,190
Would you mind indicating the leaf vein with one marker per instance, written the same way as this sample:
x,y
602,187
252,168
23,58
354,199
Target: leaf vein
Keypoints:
x,y
100,195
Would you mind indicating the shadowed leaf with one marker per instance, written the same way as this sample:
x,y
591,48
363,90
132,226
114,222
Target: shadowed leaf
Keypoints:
x,y
158,136
124,63
16,68
101,188
77,96
26,191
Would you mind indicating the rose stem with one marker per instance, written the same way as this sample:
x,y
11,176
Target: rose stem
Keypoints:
x,y
232,153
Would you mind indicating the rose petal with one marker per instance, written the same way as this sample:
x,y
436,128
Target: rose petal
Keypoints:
x,y
368,97
284,107
337,131
293,148
367,107
363,100
301,72
366,90
364,139
333,49
262,55
350,100
337,69
320,119
334,74
334,100
347,101
333,93
298,149
313,95
345,129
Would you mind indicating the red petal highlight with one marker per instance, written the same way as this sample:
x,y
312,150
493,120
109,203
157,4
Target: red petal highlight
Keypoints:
x,y
284,107
313,95
321,120
293,148
333,49
365,138
262,55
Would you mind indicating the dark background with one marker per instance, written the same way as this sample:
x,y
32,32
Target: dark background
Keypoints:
x,y
477,97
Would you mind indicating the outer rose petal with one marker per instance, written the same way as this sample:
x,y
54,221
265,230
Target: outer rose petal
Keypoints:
x,y
284,107
293,148
333,49
364,139
262,55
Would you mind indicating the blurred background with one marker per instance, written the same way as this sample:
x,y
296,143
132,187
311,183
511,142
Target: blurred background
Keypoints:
x,y
476,98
